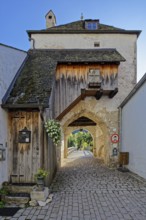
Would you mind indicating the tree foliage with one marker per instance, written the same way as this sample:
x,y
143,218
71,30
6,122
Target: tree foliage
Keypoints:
x,y
81,139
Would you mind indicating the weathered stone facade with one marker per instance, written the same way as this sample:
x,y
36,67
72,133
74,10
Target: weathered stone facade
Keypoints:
x,y
107,124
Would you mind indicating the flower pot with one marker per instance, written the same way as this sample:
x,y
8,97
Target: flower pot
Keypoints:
x,y
40,183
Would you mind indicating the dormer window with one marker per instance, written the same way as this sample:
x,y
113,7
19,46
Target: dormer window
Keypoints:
x,y
91,24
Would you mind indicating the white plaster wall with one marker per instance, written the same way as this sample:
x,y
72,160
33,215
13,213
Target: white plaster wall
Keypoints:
x,y
134,131
124,43
10,61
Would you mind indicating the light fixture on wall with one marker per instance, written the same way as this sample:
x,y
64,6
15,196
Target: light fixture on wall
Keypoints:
x,y
2,153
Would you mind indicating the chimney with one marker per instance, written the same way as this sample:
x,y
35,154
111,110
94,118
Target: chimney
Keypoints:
x,y
50,19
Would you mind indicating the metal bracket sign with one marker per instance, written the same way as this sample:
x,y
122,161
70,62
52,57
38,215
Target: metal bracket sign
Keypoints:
x,y
115,138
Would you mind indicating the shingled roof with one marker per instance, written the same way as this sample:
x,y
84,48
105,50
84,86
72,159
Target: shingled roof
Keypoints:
x,y
33,85
79,27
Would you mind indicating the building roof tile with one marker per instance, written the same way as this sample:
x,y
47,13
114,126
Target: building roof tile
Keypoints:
x,y
79,27
35,80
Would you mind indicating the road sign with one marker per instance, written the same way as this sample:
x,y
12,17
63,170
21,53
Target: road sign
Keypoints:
x,y
115,138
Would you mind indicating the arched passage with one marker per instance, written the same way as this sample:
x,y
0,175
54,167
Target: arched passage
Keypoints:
x,y
95,125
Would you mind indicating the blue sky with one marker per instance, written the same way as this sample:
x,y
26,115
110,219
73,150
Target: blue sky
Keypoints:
x,y
17,16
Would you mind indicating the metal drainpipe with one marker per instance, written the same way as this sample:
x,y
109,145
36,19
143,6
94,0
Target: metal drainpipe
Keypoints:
x,y
120,128
33,42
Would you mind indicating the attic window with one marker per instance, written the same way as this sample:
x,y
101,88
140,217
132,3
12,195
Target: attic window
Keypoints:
x,y
96,44
91,25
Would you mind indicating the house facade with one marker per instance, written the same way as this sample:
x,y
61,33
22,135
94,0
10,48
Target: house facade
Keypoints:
x,y
133,126
10,61
77,73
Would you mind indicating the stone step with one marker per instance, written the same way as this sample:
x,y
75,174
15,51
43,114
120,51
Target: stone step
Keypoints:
x,y
20,188
17,199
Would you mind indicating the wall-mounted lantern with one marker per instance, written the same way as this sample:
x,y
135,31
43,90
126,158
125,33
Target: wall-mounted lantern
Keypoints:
x,y
2,153
24,136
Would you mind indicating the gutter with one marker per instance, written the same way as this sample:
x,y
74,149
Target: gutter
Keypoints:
x,y
120,129
33,42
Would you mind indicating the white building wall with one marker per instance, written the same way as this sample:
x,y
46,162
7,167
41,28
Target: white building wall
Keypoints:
x,y
10,61
134,131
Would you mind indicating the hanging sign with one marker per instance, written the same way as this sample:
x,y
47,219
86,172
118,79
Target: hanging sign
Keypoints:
x,y
115,138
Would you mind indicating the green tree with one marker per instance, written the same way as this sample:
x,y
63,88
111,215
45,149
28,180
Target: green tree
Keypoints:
x,y
81,139
71,141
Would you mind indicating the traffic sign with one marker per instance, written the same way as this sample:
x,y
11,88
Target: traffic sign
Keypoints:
x,y
115,138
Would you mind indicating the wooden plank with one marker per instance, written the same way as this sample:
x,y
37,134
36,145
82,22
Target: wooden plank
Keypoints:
x,y
28,150
26,157
35,143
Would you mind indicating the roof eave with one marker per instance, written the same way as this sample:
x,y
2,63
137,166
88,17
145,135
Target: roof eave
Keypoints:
x,y
135,89
93,62
53,31
24,106
4,45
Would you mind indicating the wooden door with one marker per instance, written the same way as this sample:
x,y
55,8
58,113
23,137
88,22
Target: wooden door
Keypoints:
x,y
24,158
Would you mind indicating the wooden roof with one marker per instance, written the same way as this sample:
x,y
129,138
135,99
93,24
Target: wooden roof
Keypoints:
x,y
34,81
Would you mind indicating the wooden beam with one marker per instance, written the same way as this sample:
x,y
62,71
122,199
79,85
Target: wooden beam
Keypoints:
x,y
99,94
113,93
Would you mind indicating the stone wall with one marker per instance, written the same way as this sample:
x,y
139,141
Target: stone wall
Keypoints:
x,y
107,123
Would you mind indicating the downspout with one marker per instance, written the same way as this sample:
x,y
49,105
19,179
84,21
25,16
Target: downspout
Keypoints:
x,y
33,42
120,128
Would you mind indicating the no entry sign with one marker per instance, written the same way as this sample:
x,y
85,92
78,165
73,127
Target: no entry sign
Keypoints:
x,y
115,138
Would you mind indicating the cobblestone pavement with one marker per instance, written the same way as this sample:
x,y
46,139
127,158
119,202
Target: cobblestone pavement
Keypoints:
x,y
85,189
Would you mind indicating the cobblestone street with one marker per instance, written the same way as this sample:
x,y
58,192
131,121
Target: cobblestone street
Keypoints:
x,y
84,188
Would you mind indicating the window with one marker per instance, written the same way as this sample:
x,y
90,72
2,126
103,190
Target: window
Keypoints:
x,y
91,25
96,44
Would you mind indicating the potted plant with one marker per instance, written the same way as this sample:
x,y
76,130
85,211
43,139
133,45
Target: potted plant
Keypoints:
x,y
40,177
3,193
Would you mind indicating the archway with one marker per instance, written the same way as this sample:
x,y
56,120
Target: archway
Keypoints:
x,y
95,125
